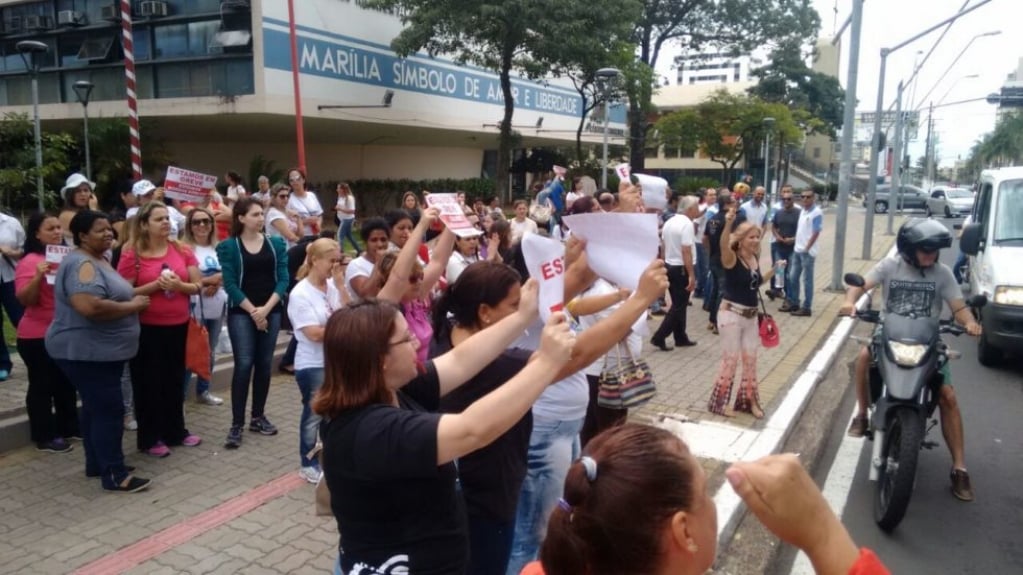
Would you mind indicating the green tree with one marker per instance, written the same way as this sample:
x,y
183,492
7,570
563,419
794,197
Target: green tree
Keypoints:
x,y
729,25
504,36
788,80
18,171
109,140
260,166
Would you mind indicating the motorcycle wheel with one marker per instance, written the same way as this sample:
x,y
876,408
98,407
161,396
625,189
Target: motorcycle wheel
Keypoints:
x,y
898,470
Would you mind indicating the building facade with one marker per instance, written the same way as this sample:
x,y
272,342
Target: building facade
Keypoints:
x,y
714,68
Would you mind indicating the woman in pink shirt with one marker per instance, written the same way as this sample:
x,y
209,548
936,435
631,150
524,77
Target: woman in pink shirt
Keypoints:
x,y
51,399
168,273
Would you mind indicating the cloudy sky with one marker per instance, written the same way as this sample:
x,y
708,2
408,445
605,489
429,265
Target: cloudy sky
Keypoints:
x,y
890,22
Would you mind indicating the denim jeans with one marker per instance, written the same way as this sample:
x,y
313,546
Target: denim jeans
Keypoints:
x,y
801,265
701,271
253,356
14,311
345,231
553,446
202,385
781,252
126,391
99,385
309,382
957,268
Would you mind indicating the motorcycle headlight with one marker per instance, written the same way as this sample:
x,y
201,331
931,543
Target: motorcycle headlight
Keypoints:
x,y
907,354
1009,295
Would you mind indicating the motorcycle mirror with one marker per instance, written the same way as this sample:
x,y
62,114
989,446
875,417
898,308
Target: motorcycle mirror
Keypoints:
x,y
855,280
977,301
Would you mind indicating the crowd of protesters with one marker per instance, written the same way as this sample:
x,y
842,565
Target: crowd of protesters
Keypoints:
x,y
451,418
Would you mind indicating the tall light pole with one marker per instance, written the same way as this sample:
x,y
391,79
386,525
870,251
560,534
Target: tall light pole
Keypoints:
x,y
605,77
31,52
83,89
845,170
768,126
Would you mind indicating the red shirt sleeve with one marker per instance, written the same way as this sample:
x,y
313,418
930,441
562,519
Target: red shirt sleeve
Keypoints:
x,y
868,564
533,568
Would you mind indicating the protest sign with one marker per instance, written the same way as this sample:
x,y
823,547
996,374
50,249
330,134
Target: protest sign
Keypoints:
x,y
55,255
560,171
619,246
654,191
545,259
188,186
623,171
452,214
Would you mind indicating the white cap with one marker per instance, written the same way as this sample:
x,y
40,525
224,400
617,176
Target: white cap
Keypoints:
x,y
142,187
75,180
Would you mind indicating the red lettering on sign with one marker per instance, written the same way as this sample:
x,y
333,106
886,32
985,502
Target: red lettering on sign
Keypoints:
x,y
552,268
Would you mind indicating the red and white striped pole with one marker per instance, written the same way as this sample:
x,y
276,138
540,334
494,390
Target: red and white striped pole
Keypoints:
x,y
129,76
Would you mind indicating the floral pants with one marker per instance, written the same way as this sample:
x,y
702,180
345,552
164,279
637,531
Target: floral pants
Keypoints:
x,y
739,340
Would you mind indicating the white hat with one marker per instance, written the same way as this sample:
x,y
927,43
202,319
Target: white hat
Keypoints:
x,y
142,187
75,180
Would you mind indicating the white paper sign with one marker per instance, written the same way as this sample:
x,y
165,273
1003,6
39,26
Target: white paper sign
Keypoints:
x,y
545,259
654,191
623,171
560,171
619,246
55,255
452,214
188,186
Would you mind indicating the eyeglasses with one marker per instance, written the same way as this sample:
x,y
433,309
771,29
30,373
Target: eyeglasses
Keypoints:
x,y
807,197
201,222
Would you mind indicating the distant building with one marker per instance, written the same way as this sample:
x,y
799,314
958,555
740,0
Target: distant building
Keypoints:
x,y
1011,92
820,154
715,68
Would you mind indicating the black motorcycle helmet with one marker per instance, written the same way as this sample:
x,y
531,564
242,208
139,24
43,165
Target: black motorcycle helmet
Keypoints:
x,y
921,234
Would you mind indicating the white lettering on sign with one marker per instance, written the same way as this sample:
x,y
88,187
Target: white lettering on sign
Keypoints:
x,y
411,75
349,63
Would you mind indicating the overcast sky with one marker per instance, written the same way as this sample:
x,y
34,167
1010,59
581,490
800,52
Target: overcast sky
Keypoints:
x,y
890,22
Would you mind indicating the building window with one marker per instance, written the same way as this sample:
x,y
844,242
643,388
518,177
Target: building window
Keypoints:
x,y
817,153
171,41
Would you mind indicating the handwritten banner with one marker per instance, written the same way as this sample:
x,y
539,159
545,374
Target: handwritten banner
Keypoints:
x,y
55,255
188,186
452,214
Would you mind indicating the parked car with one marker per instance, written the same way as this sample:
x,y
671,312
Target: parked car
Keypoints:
x,y
950,201
912,198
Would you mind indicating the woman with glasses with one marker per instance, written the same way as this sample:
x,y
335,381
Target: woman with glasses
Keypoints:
x,y
168,273
209,305
406,282
305,203
310,304
281,222
345,208
255,272
737,318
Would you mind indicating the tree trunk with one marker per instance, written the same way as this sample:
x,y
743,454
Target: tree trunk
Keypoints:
x,y
637,128
505,143
579,132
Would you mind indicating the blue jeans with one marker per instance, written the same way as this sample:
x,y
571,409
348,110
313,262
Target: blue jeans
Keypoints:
x,y
781,252
14,311
99,385
202,385
553,446
701,271
801,265
957,268
253,357
345,231
309,382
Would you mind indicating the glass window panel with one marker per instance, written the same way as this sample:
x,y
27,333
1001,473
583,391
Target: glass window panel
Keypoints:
x,y
233,78
19,91
144,83
196,6
171,41
200,82
143,44
199,35
172,81
49,88
12,61
67,50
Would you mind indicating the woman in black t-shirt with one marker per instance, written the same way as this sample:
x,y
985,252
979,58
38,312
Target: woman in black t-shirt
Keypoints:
x,y
388,457
737,318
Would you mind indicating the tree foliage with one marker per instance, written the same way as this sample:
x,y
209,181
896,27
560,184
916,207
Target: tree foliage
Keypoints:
x,y
729,25
18,164
999,148
788,80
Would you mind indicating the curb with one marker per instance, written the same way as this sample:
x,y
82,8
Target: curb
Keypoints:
x,y
730,509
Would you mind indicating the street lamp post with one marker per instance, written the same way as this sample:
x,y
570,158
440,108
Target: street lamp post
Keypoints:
x,y
83,90
604,77
30,51
768,125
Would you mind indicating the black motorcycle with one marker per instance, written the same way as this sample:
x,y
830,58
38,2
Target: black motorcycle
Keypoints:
x,y
906,362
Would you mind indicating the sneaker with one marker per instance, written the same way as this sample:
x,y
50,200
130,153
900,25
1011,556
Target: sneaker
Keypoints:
x,y
961,485
70,438
4,374
311,474
207,398
858,427
262,425
131,484
57,445
159,450
191,440
130,424
234,437
787,307
801,312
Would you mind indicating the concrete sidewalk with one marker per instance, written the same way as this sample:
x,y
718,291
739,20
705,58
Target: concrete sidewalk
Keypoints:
x,y
246,511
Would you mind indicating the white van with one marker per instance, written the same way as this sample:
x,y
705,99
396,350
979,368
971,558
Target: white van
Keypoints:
x,y
994,240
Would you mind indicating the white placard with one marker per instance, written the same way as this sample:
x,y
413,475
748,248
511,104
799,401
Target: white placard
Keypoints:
x,y
619,246
545,259
560,172
623,171
55,255
655,191
188,186
452,214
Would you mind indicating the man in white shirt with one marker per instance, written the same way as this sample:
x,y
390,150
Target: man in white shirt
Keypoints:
x,y
679,239
811,223
756,208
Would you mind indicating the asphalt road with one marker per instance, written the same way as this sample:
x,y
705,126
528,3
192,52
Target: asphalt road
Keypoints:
x,y
941,534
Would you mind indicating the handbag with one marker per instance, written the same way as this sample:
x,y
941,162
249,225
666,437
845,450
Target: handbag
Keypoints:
x,y
197,346
540,212
769,334
629,384
321,496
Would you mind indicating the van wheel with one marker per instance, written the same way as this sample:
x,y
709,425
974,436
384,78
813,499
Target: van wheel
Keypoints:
x,y
880,207
987,354
948,212
929,212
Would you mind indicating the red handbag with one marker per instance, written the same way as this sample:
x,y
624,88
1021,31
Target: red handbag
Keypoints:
x,y
769,334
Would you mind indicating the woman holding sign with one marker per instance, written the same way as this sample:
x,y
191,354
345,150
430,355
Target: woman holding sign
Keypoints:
x,y
51,400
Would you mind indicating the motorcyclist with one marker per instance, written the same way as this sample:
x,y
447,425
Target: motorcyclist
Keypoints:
x,y
915,282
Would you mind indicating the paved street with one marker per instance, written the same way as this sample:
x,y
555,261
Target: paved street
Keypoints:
x,y
246,511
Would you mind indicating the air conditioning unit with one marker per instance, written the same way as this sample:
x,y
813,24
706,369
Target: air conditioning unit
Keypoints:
x,y
152,9
70,18
13,25
35,22
111,13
